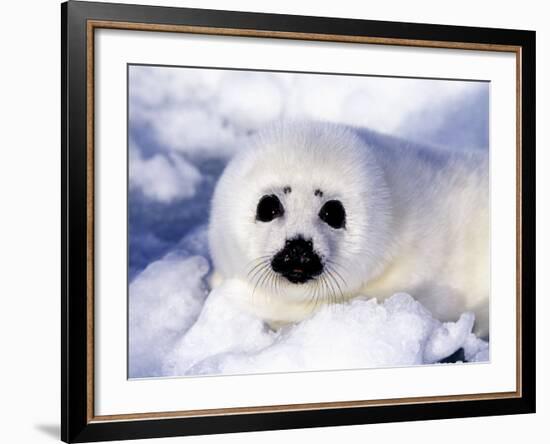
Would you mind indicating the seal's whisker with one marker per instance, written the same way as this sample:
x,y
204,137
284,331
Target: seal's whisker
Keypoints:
x,y
321,295
266,283
330,271
313,294
261,275
310,295
316,295
335,264
333,296
331,264
272,281
339,276
281,283
264,279
259,271
325,287
331,292
318,289
259,258
277,284
264,262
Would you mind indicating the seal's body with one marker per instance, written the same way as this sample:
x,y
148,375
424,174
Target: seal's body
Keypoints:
x,y
318,213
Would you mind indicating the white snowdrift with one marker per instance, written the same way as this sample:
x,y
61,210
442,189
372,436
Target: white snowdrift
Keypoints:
x,y
168,336
208,112
165,300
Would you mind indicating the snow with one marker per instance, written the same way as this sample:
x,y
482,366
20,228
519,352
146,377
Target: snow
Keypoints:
x,y
166,299
163,178
449,337
176,330
208,112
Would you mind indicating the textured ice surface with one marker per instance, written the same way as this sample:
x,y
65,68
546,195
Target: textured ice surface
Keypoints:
x,y
165,300
176,330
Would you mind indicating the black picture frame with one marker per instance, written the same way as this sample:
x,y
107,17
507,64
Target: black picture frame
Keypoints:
x,y
77,424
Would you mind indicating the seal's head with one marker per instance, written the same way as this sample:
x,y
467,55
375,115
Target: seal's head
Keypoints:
x,y
302,213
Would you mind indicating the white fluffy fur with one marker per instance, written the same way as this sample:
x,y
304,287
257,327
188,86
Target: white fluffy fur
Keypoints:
x,y
417,222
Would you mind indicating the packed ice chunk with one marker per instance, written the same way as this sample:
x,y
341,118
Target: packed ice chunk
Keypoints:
x,y
164,302
223,327
448,337
362,333
475,349
163,177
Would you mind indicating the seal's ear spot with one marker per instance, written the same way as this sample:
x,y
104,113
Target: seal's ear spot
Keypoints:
x,y
269,207
333,213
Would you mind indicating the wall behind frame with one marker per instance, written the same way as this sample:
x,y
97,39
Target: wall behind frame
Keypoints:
x,y
30,217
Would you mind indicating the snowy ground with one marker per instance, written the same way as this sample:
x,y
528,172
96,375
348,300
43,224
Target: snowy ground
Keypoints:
x,y
184,126
177,328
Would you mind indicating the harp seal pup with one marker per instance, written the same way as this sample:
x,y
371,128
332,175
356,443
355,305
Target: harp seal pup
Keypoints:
x,y
316,213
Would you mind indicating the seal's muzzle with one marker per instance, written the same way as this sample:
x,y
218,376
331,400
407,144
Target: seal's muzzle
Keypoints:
x,y
297,261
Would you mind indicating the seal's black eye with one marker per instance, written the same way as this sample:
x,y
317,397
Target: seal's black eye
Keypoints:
x,y
269,207
333,213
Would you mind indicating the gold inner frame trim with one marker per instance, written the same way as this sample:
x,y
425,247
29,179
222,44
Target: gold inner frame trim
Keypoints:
x,y
97,24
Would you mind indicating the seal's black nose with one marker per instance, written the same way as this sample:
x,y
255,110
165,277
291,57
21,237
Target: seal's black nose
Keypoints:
x,y
297,261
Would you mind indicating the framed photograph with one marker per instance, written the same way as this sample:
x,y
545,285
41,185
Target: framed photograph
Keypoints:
x,y
275,221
